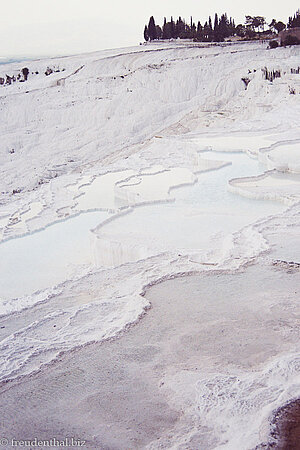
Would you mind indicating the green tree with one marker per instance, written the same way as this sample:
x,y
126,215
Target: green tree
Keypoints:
x,y
255,22
152,29
279,26
199,35
207,33
294,21
272,25
173,32
146,35
224,28
165,30
158,32
216,21
180,28
240,30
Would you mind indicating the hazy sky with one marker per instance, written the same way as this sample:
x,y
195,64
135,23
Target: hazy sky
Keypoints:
x,y
55,27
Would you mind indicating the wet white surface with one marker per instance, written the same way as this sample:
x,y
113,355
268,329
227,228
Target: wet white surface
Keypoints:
x,y
47,257
199,220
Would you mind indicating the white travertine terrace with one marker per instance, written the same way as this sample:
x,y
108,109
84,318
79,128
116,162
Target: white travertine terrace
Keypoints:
x,y
271,185
92,214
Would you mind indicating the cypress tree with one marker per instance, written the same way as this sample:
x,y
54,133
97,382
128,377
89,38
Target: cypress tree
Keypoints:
x,y
180,28
218,30
206,32
294,21
152,29
193,31
146,35
158,32
216,22
173,33
164,30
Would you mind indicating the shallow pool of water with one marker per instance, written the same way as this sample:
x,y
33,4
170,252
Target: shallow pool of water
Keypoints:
x,y
46,257
201,216
100,193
